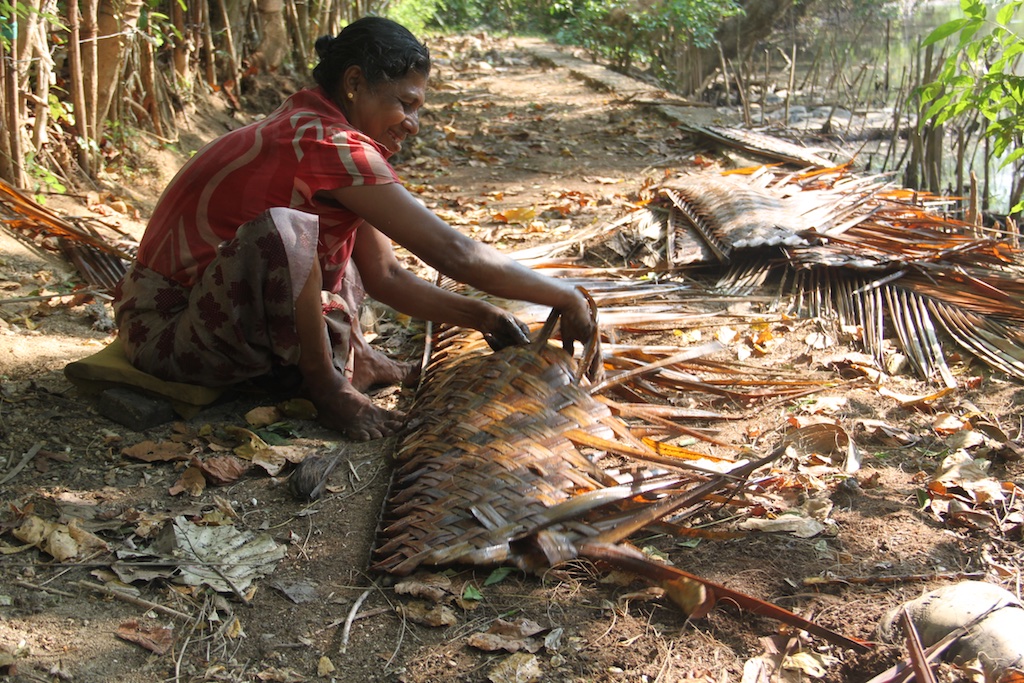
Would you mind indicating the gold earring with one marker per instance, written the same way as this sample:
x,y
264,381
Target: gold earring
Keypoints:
x,y
351,96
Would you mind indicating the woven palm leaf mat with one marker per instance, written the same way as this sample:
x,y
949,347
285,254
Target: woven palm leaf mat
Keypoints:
x,y
506,466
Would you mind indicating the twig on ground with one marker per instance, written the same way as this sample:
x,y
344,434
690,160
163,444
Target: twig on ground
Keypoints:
x,y
346,631
869,580
45,589
31,453
135,600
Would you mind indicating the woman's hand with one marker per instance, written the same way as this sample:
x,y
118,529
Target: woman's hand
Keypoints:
x,y
506,330
577,321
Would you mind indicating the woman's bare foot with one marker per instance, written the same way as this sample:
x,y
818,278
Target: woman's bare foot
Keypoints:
x,y
371,368
344,409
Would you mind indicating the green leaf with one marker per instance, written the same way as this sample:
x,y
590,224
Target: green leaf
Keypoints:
x,y
945,31
1004,17
497,576
471,592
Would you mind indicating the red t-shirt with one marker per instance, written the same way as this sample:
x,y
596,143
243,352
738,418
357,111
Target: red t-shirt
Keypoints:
x,y
305,147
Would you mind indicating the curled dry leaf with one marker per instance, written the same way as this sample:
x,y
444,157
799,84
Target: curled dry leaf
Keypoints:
x,y
191,481
796,524
827,441
420,612
432,587
493,642
60,541
510,636
222,470
273,459
947,423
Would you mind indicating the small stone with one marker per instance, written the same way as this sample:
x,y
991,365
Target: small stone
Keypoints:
x,y
134,410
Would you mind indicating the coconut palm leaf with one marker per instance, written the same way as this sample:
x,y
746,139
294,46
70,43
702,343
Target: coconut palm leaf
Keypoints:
x,y
826,243
100,262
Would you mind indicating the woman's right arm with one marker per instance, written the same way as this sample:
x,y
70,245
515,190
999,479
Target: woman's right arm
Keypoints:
x,y
398,215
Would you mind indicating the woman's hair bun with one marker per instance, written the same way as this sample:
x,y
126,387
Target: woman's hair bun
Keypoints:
x,y
323,46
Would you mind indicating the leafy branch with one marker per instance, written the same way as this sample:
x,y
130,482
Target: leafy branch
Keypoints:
x,y
981,74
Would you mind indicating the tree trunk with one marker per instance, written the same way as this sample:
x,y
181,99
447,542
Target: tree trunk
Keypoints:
x,y
274,44
739,35
117,20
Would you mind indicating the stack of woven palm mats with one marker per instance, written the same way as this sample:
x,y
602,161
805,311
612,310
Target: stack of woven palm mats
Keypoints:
x,y
508,465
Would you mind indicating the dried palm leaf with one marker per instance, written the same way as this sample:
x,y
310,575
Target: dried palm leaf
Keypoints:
x,y
100,263
505,467
829,244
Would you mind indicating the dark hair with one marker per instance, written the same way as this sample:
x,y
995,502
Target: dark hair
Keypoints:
x,y
383,49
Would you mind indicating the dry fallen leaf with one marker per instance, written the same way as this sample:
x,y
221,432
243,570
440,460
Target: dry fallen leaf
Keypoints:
x,y
324,667
516,668
429,615
263,416
222,470
154,638
432,587
154,451
191,481
298,409
60,541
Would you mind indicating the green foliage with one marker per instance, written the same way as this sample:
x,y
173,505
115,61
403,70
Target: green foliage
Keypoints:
x,y
43,176
506,15
981,74
626,31
414,14
9,21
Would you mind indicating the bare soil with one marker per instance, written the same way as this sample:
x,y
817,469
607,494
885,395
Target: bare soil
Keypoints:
x,y
504,135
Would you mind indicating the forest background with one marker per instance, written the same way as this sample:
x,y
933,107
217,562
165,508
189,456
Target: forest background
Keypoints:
x,y
85,81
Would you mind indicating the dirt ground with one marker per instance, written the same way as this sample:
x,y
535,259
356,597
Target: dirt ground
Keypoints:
x,y
503,134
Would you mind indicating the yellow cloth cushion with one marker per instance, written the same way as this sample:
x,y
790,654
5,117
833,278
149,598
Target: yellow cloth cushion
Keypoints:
x,y
109,367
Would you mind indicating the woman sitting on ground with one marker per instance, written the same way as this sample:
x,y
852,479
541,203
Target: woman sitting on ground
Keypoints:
x,y
253,256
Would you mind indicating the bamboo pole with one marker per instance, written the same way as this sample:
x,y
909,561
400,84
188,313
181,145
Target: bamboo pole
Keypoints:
x,y
208,51
764,85
7,166
302,16
78,88
897,120
90,74
147,70
961,153
179,51
792,79
741,86
987,184
725,71
44,67
229,44
292,15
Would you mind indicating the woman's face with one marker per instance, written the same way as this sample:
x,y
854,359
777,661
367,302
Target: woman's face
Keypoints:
x,y
387,112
